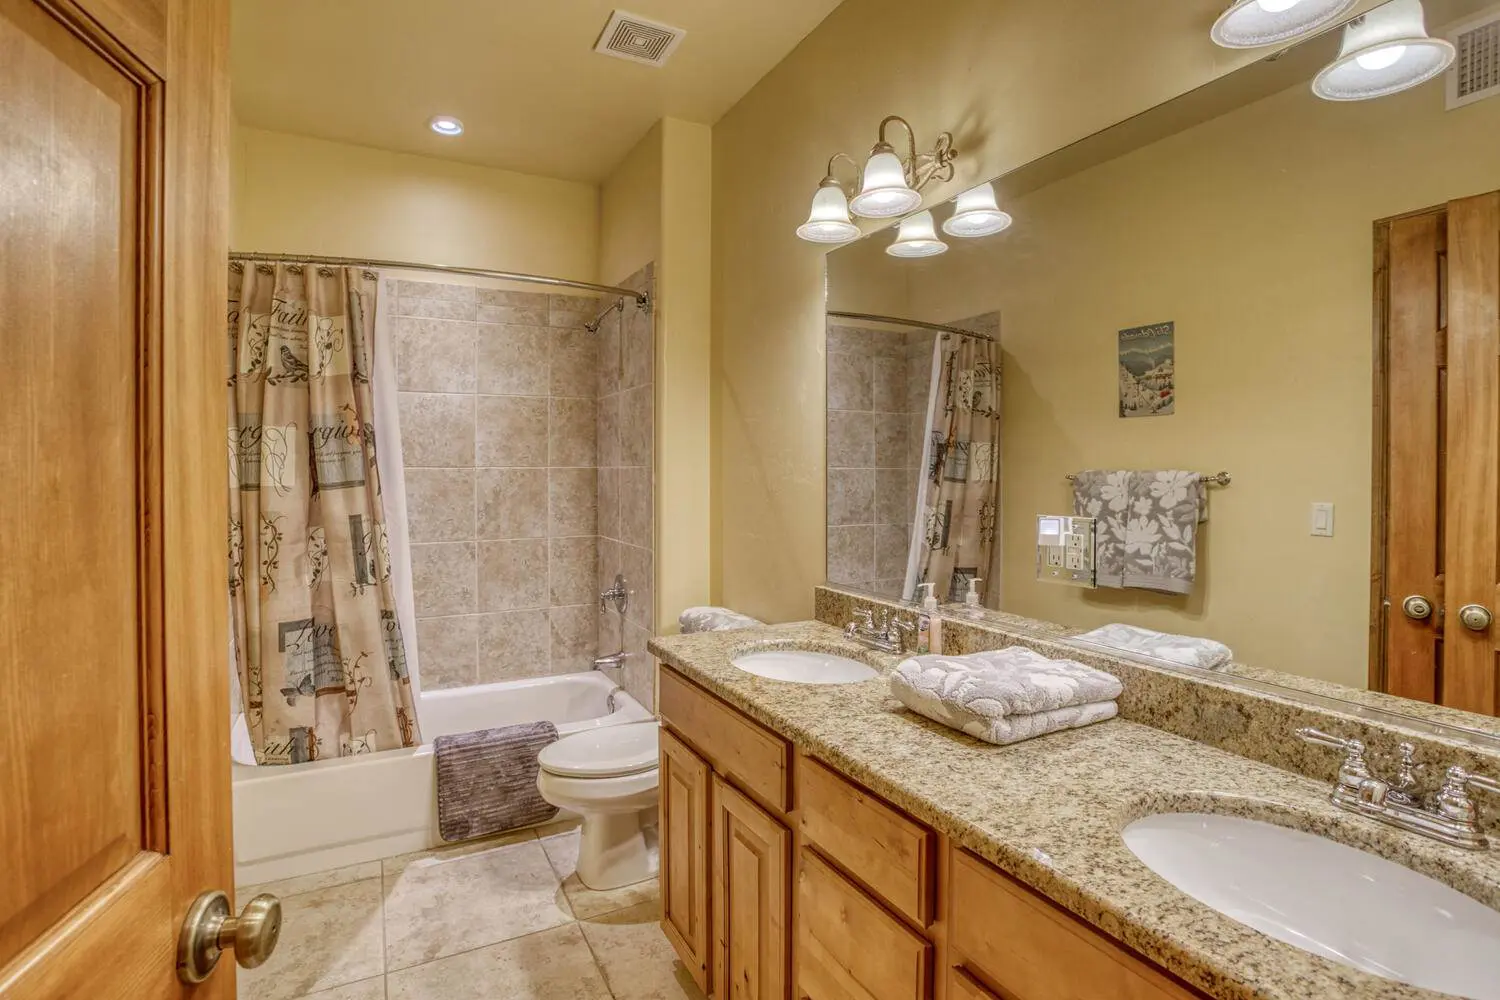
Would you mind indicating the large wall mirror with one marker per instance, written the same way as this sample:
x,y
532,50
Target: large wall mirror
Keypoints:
x,y
1301,293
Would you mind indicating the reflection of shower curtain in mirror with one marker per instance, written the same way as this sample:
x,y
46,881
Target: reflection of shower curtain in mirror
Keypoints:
x,y
959,497
320,654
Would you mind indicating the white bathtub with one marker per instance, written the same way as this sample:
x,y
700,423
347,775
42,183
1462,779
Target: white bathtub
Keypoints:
x,y
304,818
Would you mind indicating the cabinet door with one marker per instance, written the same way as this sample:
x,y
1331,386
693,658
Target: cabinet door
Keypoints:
x,y
684,854
752,858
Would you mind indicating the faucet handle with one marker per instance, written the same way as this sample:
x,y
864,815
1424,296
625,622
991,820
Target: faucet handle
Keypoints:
x,y
1453,799
865,615
1353,770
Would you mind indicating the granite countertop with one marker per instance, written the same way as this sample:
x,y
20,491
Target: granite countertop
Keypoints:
x,y
1049,811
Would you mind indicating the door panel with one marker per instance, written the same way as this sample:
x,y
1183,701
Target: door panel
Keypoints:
x,y
684,829
752,859
1473,466
1413,441
113,726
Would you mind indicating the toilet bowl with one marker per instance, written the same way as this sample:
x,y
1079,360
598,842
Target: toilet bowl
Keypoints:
x,y
609,777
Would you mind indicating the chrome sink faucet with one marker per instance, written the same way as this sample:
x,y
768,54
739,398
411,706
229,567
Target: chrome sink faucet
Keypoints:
x,y
1451,817
886,633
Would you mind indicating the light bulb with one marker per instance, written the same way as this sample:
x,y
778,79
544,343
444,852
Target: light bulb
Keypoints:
x,y
1381,58
885,193
1276,6
446,125
917,238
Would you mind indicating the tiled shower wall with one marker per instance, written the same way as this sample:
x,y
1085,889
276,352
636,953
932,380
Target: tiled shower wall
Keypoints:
x,y
498,423
878,381
626,386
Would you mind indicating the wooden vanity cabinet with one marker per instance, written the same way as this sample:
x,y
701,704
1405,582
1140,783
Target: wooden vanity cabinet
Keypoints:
x,y
683,835
752,858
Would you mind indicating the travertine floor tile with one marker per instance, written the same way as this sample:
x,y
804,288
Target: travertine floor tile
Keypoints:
x,y
552,965
330,937
636,958
562,851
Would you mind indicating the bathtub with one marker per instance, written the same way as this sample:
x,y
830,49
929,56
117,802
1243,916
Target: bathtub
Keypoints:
x,y
304,818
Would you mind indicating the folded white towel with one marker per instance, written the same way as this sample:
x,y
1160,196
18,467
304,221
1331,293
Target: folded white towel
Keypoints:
x,y
1190,651
710,619
1005,695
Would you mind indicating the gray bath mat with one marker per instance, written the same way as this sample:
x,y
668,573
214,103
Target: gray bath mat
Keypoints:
x,y
486,780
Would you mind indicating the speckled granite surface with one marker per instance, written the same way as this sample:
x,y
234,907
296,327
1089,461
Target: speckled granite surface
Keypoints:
x,y
1050,811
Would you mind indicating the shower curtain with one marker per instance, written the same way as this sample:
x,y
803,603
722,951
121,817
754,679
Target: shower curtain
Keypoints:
x,y
959,500
318,644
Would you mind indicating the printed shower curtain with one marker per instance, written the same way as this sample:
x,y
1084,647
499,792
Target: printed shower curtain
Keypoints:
x,y
961,492
318,646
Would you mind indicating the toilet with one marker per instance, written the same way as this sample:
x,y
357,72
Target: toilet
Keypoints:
x,y
609,777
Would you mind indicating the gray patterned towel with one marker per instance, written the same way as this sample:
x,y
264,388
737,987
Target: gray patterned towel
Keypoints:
x,y
1147,526
486,780
1105,496
1005,695
710,619
1188,650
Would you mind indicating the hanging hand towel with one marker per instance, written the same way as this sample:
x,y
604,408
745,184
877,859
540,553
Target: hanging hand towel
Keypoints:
x,y
1187,650
1105,496
1005,695
1161,532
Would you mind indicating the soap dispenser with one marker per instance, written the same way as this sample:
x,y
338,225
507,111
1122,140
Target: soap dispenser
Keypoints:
x,y
928,622
972,605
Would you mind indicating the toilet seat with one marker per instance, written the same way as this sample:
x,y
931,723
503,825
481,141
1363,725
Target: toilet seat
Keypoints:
x,y
606,752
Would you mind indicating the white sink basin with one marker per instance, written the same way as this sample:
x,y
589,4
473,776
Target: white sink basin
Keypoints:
x,y
1335,901
801,666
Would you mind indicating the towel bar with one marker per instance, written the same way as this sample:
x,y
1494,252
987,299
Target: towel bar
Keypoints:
x,y
1218,478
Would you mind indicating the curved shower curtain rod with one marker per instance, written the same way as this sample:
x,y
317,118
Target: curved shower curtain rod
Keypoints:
x,y
920,324
642,299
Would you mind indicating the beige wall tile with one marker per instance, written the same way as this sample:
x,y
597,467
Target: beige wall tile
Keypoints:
x,y
890,440
851,554
849,340
547,966
851,440
609,503
635,506
446,651
443,578
639,675
573,566
609,355
889,392
609,563
513,645
438,309
574,638
636,564
437,430
916,439
512,574
434,355
511,503
895,501
851,496
607,434
890,550
571,433
850,381
637,419
447,291
574,360
333,938
512,360
573,502
440,505
636,347
519,308
511,431
567,311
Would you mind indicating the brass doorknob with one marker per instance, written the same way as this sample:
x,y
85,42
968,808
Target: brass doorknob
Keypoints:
x,y
1475,617
1417,607
210,929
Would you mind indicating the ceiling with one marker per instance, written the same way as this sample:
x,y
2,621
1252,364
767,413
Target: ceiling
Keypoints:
x,y
521,74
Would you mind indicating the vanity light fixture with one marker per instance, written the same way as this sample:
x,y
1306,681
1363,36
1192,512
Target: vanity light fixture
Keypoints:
x,y
975,213
446,125
1384,52
890,185
1249,24
917,238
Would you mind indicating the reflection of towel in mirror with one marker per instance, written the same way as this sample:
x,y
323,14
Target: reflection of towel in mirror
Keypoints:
x,y
1187,650
1005,695
1161,534
1105,496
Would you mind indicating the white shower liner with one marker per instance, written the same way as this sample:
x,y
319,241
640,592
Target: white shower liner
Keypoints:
x,y
303,818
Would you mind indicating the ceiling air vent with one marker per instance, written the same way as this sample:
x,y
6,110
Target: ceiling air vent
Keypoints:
x,y
1475,73
630,36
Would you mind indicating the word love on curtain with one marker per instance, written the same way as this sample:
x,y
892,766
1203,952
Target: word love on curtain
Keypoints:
x,y
320,655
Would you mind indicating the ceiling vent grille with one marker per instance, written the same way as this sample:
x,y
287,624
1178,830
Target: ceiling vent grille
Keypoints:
x,y
630,36
1475,73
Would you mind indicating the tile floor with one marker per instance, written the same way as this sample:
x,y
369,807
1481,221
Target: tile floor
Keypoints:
x,y
500,918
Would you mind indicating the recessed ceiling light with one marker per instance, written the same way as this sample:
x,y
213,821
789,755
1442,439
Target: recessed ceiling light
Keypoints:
x,y
446,125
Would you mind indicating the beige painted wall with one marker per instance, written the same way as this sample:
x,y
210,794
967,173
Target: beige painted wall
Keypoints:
x,y
630,202
1013,81
296,194
1253,233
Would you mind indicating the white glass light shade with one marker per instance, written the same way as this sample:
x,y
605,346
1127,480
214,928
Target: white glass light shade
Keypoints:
x,y
1384,52
1249,24
975,213
885,193
917,238
829,221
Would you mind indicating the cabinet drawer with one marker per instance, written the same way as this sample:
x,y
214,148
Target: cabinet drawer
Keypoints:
x,y
849,947
738,747
1033,950
962,986
881,846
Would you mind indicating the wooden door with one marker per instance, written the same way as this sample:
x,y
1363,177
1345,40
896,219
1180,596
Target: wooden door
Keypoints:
x,y
1438,454
751,873
114,761
684,833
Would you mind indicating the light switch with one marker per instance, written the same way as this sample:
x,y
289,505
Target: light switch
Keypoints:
x,y
1322,519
